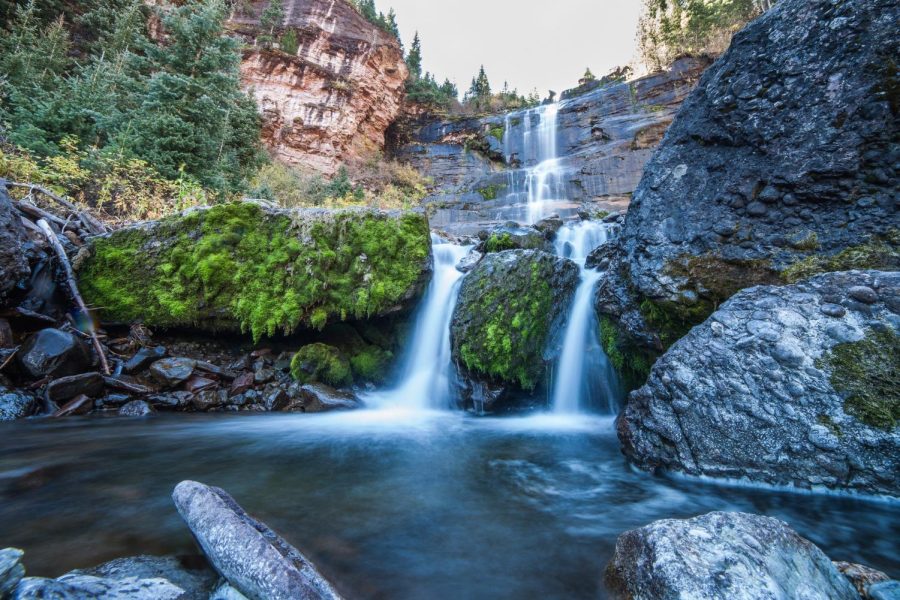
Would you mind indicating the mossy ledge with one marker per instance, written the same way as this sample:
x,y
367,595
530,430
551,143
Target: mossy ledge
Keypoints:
x,y
867,374
263,271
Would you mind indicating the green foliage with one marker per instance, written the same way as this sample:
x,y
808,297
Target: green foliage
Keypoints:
x,y
289,43
631,362
489,193
867,373
497,132
271,18
387,23
321,363
498,242
177,106
672,28
235,265
879,252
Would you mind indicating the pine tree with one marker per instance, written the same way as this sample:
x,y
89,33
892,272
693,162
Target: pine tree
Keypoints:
x,y
271,18
392,26
588,76
414,58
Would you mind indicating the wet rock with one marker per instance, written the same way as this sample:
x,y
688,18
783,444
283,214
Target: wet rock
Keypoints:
x,y
263,375
53,353
196,579
318,397
601,256
242,383
144,358
15,405
66,388
136,408
11,570
737,556
512,236
252,557
6,335
744,190
171,400
283,362
771,389
212,369
208,399
510,307
469,261
80,405
860,576
886,590
13,263
85,587
198,384
171,372
549,226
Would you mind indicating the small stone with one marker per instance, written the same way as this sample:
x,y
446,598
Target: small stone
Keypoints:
x,y
864,294
198,384
54,353
66,388
205,400
15,405
171,372
242,383
81,405
756,209
283,362
264,375
136,408
833,310
144,358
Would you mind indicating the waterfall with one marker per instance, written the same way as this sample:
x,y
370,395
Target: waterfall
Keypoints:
x,y
583,376
540,183
426,369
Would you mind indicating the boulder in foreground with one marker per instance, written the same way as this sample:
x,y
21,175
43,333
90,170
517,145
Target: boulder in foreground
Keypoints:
x,y
260,270
795,384
253,558
737,556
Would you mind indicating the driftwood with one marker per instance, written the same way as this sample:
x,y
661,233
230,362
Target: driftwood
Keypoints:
x,y
73,288
38,213
91,224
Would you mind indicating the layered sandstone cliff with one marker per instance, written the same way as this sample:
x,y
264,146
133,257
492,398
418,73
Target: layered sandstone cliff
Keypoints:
x,y
333,100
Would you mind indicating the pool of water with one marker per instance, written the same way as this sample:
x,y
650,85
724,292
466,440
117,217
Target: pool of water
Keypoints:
x,y
388,504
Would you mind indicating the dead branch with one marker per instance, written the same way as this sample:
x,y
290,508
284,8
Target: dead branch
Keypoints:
x,y
90,223
73,288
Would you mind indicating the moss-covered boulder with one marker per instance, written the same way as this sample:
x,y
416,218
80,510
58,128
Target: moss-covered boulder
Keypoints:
x,y
512,236
794,384
509,308
263,271
321,363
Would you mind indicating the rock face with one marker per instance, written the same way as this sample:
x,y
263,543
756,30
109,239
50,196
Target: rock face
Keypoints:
x,y
334,99
509,309
242,267
723,555
780,165
784,385
13,264
252,557
604,138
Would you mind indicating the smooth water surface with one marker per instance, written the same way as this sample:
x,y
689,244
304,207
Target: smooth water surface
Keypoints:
x,y
388,504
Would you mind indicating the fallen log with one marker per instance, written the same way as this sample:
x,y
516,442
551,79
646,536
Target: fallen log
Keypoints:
x,y
73,289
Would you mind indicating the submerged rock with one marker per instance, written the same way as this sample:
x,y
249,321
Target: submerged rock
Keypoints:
x,y
780,386
510,307
781,164
13,263
737,556
253,558
244,267
54,353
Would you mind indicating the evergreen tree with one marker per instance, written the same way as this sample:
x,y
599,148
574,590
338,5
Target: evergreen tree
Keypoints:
x,y
414,58
270,19
588,76
392,26
289,42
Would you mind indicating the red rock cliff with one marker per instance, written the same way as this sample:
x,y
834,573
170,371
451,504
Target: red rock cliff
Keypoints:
x,y
334,99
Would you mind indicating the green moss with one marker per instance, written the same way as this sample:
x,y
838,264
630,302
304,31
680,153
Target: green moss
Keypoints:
x,y
489,192
716,279
673,321
867,374
879,252
632,363
509,325
808,243
321,363
235,265
498,242
828,422
497,132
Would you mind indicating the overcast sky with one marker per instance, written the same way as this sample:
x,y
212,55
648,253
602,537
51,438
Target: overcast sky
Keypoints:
x,y
543,44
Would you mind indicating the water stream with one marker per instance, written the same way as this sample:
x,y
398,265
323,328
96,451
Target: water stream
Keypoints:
x,y
583,378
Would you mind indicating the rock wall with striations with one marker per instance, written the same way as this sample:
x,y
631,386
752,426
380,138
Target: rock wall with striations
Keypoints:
x,y
334,99
781,164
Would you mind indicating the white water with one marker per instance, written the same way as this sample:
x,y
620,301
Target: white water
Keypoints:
x,y
426,372
583,376
540,183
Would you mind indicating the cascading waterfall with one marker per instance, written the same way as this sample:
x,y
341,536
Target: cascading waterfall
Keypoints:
x,y
426,370
540,183
583,376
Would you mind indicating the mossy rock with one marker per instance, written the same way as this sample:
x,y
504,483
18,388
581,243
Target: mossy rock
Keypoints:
x,y
369,362
321,363
513,237
509,307
631,362
867,374
243,267
878,252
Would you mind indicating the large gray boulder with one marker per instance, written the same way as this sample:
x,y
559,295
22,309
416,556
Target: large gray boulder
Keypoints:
x,y
733,556
253,558
781,164
87,587
793,385
13,263
509,309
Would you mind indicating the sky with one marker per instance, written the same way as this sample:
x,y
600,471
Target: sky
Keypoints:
x,y
543,44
